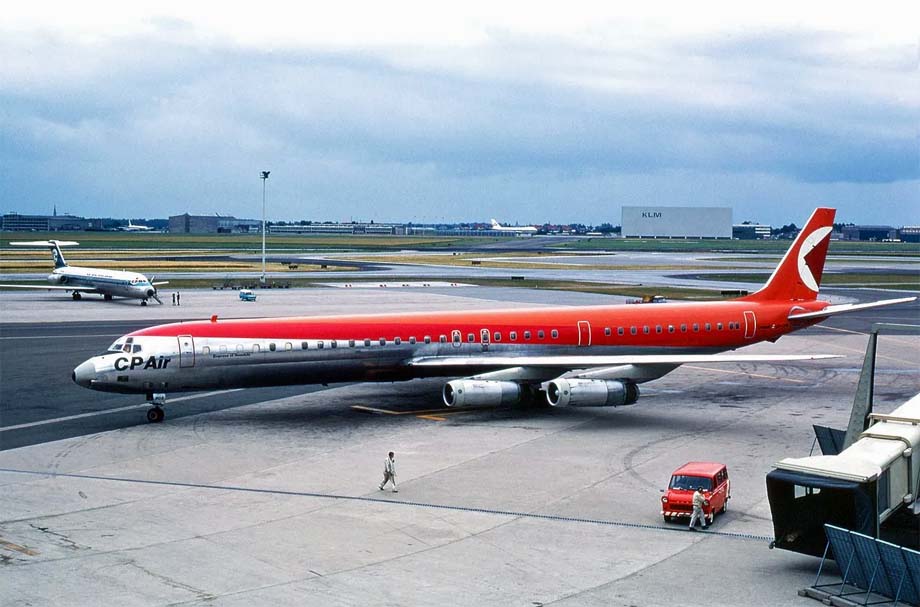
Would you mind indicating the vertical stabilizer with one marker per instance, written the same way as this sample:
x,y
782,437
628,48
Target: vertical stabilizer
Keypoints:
x,y
798,275
59,261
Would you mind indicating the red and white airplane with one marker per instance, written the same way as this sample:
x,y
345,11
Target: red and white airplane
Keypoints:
x,y
580,356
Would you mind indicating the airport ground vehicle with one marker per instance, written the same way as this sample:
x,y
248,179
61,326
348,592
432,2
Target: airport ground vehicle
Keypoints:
x,y
710,477
247,295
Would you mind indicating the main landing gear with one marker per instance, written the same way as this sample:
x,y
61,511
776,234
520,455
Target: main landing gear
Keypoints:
x,y
156,414
76,296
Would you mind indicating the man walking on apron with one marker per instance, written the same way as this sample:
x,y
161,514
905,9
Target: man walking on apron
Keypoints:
x,y
698,515
389,472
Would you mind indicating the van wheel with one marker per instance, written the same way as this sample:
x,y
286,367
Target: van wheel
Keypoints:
x,y
724,507
667,518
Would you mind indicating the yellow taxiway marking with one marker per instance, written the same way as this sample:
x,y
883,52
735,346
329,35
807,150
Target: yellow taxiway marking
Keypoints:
x,y
863,351
437,415
789,379
17,548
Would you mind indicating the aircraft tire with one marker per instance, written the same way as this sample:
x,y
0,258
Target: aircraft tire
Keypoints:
x,y
143,302
76,296
107,297
155,415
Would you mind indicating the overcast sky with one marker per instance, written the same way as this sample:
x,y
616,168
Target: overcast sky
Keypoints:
x,y
408,111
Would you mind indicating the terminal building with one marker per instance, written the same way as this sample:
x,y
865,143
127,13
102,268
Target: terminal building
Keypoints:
x,y
212,224
752,231
14,222
677,222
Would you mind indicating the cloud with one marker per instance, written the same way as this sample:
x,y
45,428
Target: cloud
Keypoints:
x,y
169,120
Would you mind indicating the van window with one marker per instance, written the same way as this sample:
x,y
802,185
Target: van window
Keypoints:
x,y
682,481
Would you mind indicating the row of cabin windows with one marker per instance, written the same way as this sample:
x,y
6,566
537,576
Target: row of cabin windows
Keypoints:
x,y
497,337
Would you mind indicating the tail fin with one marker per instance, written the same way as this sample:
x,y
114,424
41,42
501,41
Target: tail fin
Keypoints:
x,y
798,275
55,246
495,224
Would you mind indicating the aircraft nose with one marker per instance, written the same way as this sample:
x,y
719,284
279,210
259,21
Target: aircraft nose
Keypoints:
x,y
84,373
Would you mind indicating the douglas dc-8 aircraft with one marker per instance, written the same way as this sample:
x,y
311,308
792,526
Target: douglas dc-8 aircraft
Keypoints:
x,y
580,356
108,283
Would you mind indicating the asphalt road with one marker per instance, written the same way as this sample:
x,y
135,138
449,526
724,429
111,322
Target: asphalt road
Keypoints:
x,y
40,403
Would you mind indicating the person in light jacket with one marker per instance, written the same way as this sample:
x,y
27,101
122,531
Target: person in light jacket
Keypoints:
x,y
389,472
698,502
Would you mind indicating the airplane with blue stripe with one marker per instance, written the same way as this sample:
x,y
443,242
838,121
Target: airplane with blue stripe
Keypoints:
x,y
79,280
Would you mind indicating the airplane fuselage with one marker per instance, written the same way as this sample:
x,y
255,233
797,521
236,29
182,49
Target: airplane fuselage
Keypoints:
x,y
107,282
309,350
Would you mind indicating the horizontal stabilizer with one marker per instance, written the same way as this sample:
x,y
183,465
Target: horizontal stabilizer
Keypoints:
x,y
43,243
49,287
579,362
162,282
844,308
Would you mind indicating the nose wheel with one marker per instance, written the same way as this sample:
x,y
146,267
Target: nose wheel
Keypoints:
x,y
155,415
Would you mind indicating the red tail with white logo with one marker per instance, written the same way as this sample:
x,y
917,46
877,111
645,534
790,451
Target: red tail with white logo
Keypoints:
x,y
798,275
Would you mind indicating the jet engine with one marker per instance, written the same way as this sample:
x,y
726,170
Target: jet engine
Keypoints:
x,y
476,392
57,278
564,392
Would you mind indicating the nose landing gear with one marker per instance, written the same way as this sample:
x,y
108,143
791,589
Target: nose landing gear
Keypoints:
x,y
143,302
156,414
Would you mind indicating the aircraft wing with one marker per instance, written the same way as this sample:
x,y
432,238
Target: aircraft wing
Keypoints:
x,y
50,287
582,362
844,308
162,282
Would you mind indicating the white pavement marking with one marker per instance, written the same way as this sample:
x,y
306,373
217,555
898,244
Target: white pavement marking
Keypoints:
x,y
116,410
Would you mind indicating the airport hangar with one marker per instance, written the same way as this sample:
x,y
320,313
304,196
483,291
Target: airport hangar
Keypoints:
x,y
676,222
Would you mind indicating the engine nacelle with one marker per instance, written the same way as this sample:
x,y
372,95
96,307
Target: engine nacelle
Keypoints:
x,y
574,392
477,392
59,279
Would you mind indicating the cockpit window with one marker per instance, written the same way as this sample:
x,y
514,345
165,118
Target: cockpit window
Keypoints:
x,y
116,347
136,348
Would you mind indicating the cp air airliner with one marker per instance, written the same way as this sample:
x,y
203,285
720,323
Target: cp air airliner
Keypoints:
x,y
580,356
108,283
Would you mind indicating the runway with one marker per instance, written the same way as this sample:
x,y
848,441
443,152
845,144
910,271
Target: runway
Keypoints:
x,y
253,497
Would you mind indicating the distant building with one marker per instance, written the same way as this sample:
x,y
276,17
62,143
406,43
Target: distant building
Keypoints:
x,y
212,224
909,234
751,231
873,233
14,222
338,228
677,222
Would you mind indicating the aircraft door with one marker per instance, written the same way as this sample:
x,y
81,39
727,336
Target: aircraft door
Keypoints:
x,y
186,351
484,338
456,338
584,333
750,325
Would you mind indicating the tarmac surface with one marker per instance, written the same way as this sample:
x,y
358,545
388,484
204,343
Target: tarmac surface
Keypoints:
x,y
270,496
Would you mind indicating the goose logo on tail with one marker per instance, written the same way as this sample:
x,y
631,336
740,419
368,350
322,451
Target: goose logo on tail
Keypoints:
x,y
811,257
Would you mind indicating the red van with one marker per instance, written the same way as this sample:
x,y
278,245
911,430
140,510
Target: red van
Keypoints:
x,y
710,477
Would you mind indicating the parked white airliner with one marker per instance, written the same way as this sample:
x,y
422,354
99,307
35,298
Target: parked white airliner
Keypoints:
x,y
522,230
108,283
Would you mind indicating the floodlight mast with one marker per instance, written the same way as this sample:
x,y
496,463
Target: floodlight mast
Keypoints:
x,y
264,178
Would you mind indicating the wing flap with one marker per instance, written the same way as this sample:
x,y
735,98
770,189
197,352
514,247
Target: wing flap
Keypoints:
x,y
581,362
845,308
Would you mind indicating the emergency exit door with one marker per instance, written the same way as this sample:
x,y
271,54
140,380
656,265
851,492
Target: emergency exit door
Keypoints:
x,y
186,351
750,325
584,333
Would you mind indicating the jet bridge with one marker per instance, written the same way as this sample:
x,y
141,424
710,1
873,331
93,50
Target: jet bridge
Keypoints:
x,y
870,487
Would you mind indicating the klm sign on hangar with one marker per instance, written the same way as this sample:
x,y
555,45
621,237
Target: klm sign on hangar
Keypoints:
x,y
677,222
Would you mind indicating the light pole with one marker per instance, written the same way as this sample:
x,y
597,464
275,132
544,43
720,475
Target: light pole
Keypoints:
x,y
264,179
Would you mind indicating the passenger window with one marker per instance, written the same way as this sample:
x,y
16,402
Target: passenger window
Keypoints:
x,y
497,336
620,331
206,350
383,341
633,331
718,326
304,345
607,331
412,340
320,345
526,334
397,341
658,329
256,348
470,337
272,347
351,343
696,327
555,334
683,328
367,343
646,329
455,337
427,339
288,346
443,339
708,326
541,334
